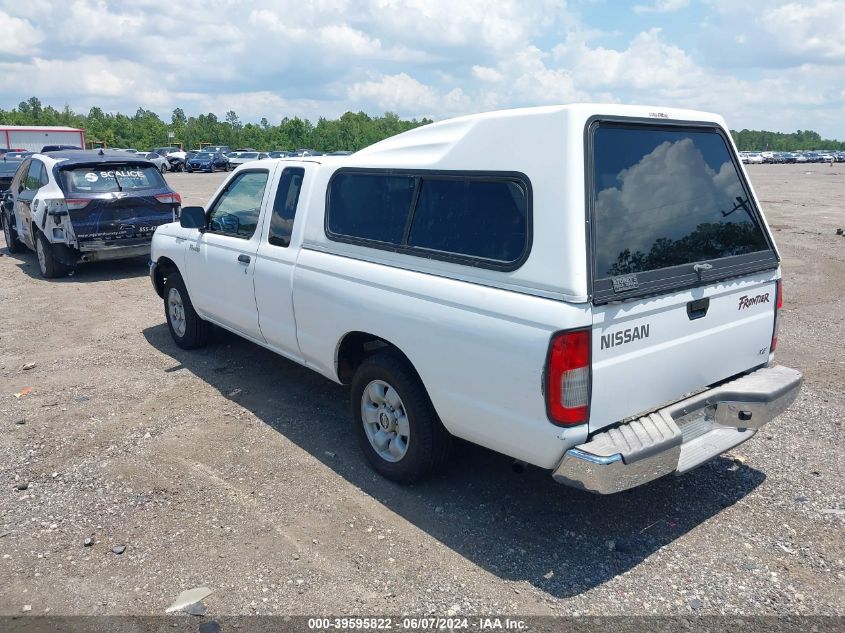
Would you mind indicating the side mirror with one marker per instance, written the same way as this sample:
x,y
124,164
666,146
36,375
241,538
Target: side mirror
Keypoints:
x,y
193,218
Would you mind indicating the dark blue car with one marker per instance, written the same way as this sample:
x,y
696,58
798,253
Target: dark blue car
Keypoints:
x,y
207,161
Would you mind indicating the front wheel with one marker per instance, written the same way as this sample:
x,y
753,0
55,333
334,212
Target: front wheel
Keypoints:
x,y
187,328
163,168
394,420
188,169
49,266
11,234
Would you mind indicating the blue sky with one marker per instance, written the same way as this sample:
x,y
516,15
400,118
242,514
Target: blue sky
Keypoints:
x,y
775,64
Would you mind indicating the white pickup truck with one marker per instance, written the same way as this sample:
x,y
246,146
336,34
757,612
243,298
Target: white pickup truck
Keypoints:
x,y
589,289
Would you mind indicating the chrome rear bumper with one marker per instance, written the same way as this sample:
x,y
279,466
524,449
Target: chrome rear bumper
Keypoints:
x,y
681,436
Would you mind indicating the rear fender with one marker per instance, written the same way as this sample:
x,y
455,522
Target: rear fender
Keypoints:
x,y
62,252
56,224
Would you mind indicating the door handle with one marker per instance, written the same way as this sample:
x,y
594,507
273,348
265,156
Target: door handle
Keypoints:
x,y
244,259
697,309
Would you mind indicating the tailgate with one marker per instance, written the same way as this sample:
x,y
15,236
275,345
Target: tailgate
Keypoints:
x,y
131,217
684,268
647,354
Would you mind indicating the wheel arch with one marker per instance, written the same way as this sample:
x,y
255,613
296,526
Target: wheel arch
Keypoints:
x,y
163,269
354,347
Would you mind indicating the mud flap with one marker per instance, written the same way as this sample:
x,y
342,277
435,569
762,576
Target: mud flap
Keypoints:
x,y
65,254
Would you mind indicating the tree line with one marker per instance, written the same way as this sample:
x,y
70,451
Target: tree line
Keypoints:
x,y
761,140
352,131
145,130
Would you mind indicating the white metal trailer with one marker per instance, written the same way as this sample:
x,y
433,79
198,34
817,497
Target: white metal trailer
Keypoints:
x,y
33,138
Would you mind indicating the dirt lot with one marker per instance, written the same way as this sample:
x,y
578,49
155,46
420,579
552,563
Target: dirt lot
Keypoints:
x,y
234,469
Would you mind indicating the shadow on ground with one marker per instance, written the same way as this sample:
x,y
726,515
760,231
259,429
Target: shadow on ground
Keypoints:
x,y
83,273
520,527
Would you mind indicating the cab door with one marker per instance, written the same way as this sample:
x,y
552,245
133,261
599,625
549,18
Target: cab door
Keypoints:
x,y
275,263
220,262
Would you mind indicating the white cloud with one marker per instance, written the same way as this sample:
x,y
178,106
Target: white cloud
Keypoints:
x,y
662,6
814,30
483,73
17,35
762,63
775,33
395,92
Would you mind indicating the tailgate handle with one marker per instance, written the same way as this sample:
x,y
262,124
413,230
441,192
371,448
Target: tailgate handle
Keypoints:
x,y
698,308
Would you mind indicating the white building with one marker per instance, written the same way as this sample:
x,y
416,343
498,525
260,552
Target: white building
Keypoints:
x,y
33,138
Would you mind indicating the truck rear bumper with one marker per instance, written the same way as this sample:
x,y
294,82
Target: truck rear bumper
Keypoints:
x,y
681,436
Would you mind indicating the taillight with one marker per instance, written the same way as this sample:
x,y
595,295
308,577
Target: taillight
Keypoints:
x,y
169,198
778,307
568,386
74,205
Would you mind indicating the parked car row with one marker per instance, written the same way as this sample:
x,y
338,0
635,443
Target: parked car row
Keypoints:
x,y
217,157
820,156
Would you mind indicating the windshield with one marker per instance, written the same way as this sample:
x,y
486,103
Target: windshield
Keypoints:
x,y
248,155
666,197
204,156
109,178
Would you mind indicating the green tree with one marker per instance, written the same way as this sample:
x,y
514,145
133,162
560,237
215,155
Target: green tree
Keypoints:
x,y
145,129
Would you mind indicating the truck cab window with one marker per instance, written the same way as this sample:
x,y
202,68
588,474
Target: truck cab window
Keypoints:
x,y
284,207
237,209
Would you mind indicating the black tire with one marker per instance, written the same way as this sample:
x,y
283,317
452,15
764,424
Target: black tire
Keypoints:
x,y
48,265
163,168
188,169
13,244
428,444
197,331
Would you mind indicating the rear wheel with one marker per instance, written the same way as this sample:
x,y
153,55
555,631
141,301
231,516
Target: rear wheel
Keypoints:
x,y
163,168
394,420
49,266
187,328
10,233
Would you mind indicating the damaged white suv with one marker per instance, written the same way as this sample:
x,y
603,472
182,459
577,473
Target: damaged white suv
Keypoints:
x,y
84,206
601,300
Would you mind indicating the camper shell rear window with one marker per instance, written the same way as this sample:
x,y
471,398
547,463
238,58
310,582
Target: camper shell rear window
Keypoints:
x,y
669,209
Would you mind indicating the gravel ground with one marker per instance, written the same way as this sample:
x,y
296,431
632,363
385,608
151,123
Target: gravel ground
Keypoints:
x,y
234,469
